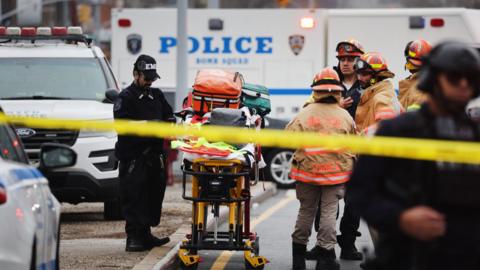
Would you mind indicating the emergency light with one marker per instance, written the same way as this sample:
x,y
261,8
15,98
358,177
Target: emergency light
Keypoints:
x,y
28,31
124,22
437,22
59,31
307,22
44,31
3,194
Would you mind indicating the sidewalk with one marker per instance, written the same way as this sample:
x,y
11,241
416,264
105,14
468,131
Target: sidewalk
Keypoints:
x,y
90,242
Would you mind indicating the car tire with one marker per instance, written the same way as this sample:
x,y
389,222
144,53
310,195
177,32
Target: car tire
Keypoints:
x,y
112,210
278,167
57,251
33,258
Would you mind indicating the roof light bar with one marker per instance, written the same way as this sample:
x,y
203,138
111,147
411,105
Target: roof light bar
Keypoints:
x,y
75,30
44,31
13,31
3,30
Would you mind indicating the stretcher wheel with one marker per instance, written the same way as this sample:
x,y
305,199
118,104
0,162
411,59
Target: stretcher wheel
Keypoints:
x,y
248,266
256,246
190,267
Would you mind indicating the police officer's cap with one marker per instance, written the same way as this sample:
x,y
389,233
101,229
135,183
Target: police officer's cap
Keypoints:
x,y
148,66
451,57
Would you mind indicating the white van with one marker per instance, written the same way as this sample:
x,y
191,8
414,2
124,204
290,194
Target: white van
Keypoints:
x,y
279,48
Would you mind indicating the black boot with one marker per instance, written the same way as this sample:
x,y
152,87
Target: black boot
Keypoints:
x,y
298,255
348,249
136,244
326,260
313,253
157,242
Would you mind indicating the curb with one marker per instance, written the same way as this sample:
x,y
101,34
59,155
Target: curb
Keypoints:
x,y
165,257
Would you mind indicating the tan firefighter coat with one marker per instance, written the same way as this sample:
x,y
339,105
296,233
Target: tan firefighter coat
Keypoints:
x,y
378,102
317,165
408,92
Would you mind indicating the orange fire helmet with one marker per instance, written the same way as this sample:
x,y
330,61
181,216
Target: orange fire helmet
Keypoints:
x,y
415,50
350,47
327,80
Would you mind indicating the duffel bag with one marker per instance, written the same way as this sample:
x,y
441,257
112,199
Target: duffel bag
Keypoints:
x,y
256,97
215,88
228,117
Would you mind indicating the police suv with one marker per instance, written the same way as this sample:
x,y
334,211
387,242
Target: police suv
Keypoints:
x,y
57,73
29,213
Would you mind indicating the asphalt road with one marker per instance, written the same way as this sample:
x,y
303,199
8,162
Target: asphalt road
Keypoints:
x,y
274,221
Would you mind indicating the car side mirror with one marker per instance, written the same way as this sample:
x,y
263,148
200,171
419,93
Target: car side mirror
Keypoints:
x,y
54,156
111,96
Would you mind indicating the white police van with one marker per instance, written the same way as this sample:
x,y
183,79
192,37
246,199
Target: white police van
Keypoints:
x,y
29,212
57,73
279,48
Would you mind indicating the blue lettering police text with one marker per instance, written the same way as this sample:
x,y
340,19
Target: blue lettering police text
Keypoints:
x,y
223,45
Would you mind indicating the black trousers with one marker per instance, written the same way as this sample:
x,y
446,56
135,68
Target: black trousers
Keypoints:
x,y
349,225
142,186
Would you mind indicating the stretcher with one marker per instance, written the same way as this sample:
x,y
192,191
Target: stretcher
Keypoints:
x,y
216,184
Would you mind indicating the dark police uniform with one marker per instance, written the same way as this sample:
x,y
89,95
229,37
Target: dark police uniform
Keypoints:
x,y
142,162
382,188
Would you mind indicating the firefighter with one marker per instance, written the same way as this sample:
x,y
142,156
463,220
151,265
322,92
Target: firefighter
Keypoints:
x,y
348,52
409,96
378,100
142,170
426,212
320,173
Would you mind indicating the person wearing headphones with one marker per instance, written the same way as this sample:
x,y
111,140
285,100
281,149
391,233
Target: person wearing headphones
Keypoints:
x,y
409,96
427,212
142,170
378,100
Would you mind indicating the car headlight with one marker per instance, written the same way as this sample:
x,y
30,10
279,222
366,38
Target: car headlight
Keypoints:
x,y
88,133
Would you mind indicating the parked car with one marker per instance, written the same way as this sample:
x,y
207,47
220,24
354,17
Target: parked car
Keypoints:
x,y
58,73
29,212
278,159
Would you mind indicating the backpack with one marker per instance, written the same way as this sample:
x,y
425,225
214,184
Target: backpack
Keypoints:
x,y
215,88
256,97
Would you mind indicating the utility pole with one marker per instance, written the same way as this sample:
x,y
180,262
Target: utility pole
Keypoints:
x,y
182,53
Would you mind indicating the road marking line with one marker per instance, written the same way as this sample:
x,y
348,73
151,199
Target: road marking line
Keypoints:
x,y
225,256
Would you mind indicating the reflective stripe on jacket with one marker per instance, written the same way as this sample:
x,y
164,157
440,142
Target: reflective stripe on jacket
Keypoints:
x,y
317,165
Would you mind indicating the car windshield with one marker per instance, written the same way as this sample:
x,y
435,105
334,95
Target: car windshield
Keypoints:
x,y
52,78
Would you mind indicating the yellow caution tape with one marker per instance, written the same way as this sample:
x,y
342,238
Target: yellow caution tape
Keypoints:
x,y
447,151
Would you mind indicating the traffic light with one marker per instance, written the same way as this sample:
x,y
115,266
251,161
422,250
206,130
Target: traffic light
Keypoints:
x,y
283,3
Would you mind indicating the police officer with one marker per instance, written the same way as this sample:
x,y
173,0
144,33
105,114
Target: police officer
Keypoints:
x,y
427,213
142,161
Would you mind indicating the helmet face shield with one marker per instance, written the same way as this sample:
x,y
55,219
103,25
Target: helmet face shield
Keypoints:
x,y
361,65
